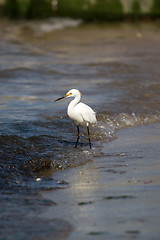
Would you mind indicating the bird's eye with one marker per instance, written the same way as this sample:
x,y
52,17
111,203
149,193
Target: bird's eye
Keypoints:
x,y
68,94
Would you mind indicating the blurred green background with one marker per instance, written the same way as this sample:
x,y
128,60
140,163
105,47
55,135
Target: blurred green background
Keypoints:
x,y
88,10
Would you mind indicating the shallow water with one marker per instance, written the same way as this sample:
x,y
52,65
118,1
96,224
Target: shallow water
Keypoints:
x,y
116,67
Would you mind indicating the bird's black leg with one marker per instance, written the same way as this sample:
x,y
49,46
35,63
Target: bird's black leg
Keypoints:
x,y
78,136
89,136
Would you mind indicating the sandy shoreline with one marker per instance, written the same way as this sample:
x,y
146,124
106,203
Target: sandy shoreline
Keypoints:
x,y
116,196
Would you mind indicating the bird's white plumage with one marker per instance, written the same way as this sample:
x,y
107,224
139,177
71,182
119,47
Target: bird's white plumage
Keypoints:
x,y
81,113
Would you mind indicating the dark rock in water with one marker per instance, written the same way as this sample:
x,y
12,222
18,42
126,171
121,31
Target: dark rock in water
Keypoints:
x,y
118,197
84,203
97,233
133,232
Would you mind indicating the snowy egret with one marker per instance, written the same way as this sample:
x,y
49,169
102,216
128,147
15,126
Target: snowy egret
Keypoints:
x,y
81,113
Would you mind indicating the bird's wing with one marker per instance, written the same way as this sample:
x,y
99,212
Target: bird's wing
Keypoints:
x,y
87,113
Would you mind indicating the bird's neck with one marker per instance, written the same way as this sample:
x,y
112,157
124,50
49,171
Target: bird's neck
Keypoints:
x,y
74,102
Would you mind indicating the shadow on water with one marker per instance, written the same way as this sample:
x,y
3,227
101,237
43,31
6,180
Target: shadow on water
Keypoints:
x,y
69,143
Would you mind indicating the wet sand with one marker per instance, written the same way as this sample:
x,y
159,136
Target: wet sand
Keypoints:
x,y
116,196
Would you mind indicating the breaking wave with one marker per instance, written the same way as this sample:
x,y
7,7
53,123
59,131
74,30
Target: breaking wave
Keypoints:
x,y
110,124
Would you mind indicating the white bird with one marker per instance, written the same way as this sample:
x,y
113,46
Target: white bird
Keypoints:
x,y
81,113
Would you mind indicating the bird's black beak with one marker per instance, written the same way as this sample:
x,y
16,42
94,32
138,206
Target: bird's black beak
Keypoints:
x,y
60,98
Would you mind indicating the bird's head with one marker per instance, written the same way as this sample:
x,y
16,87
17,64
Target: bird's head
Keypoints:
x,y
71,93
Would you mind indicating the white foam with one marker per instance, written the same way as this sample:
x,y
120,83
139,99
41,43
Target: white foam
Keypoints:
x,y
53,24
110,124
